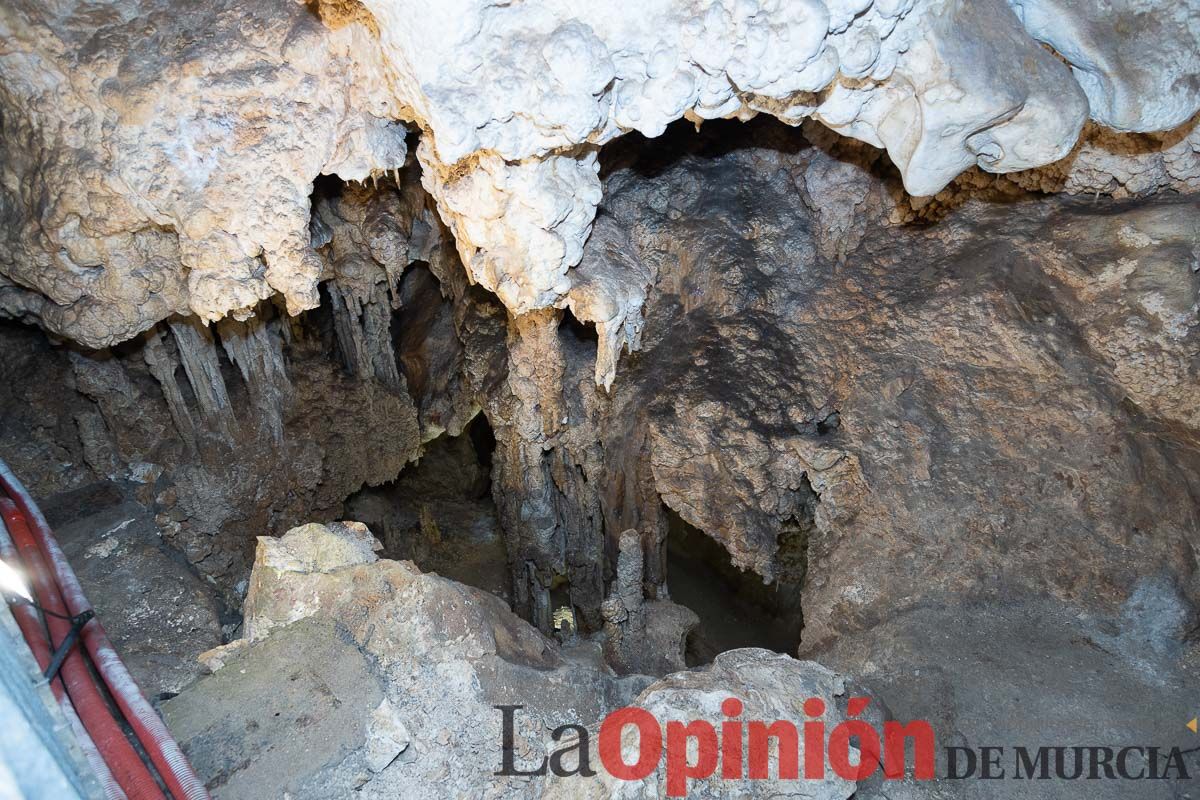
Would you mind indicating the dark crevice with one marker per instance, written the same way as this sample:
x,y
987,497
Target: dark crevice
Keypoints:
x,y
439,512
576,330
580,341
328,186
736,607
483,439
715,138
424,337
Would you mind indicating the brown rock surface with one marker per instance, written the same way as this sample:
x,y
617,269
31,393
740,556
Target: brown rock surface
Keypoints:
x,y
1002,401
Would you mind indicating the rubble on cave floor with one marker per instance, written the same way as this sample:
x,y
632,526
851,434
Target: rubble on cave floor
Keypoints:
x,y
160,614
362,677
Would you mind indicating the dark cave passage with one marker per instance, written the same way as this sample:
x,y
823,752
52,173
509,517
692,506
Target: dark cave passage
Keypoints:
x,y
573,330
736,608
439,512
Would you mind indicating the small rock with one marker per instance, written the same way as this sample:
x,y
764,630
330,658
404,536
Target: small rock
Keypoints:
x,y
218,657
386,737
144,472
103,548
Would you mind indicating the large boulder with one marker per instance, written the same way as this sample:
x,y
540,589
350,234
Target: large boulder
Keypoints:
x,y
430,660
768,687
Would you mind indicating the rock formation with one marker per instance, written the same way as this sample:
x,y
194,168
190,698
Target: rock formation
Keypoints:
x,y
407,707
149,172
431,659
890,305
788,346
768,686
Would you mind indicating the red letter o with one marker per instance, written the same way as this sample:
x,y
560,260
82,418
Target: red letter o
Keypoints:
x,y
649,743
868,750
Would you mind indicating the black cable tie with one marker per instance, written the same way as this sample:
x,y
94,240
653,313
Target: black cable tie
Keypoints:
x,y
60,655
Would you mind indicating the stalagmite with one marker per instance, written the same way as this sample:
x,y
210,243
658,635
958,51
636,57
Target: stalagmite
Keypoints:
x,y
623,610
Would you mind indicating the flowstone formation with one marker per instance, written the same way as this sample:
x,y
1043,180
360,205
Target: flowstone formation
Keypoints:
x,y
150,171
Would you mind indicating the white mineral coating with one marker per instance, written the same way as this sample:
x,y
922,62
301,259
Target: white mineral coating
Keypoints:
x,y
969,89
1137,60
316,548
511,97
519,227
160,161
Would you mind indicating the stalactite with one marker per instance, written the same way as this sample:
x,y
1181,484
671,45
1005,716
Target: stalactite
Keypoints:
x,y
162,363
349,333
256,348
363,328
198,354
377,333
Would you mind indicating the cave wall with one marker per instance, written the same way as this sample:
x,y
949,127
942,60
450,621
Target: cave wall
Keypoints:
x,y
245,428
907,304
999,403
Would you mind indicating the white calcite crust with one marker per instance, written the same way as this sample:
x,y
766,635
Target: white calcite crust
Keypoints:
x,y
1137,60
158,161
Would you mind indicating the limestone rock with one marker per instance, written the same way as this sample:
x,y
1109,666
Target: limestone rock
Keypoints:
x,y
386,737
1047,325
443,655
216,658
1124,674
146,176
281,711
770,686
318,548
191,180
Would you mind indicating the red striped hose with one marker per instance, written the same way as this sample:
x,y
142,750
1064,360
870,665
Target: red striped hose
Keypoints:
x,y
153,735
106,733
35,636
